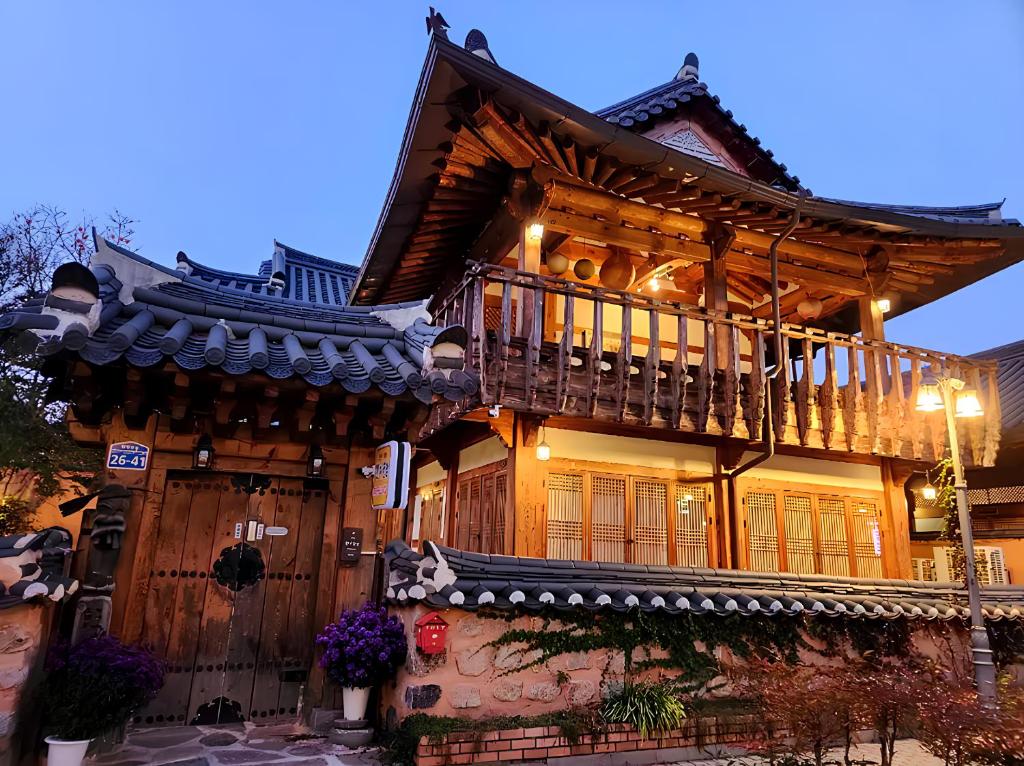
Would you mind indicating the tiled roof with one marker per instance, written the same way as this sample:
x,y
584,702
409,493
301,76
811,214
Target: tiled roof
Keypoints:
x,y
451,578
1010,379
144,314
986,213
32,567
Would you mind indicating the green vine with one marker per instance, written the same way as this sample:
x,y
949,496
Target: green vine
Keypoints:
x,y
945,500
868,638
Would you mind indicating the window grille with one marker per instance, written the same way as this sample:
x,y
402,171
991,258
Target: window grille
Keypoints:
x,y
565,516
867,539
650,522
608,518
690,511
799,534
763,531
833,544
500,503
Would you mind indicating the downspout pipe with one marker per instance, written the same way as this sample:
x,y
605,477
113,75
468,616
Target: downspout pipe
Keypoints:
x,y
767,430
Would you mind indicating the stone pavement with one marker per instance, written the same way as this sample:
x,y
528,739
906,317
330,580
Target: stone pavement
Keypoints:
x,y
243,744
908,753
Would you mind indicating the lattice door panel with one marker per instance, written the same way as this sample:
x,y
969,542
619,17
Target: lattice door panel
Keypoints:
x,y
867,539
762,531
565,516
833,543
650,522
608,518
500,498
799,534
691,524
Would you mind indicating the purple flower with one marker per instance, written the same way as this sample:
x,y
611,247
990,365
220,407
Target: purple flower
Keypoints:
x,y
364,647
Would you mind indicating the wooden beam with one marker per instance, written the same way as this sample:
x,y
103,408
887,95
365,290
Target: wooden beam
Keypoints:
x,y
621,236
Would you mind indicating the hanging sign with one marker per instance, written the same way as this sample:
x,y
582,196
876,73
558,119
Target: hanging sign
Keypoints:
x,y
128,456
391,476
351,546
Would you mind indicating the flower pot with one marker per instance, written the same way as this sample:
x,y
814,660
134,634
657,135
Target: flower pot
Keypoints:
x,y
66,752
353,702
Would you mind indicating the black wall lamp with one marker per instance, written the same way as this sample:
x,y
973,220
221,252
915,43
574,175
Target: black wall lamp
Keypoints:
x,y
202,456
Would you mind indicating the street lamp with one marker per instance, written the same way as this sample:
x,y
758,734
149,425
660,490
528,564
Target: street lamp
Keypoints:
x,y
944,392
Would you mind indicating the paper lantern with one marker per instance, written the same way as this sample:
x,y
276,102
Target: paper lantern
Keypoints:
x,y
809,308
617,272
584,268
557,263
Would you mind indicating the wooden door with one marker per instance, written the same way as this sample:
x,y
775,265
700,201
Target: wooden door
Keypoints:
x,y
229,606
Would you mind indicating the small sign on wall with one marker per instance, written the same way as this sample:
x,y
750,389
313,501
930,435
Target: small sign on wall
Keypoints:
x,y
351,546
128,456
391,476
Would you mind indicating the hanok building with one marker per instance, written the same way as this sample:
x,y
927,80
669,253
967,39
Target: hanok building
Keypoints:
x,y
571,314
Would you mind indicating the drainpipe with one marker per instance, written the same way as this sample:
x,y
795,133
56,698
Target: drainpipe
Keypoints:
x,y
767,432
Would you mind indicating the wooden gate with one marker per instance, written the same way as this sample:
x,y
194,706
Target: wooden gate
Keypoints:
x,y
229,606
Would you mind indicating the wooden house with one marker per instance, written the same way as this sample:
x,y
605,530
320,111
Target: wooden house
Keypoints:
x,y
570,314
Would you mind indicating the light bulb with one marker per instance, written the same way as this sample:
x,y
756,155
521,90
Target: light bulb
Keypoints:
x,y
884,305
654,284
535,231
929,492
928,398
543,452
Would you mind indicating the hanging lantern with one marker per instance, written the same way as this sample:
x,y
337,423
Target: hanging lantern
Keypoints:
x,y
929,492
809,308
202,456
617,272
315,463
584,269
557,263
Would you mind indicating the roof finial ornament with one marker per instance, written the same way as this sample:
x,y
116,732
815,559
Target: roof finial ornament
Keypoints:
x,y
436,25
476,43
688,71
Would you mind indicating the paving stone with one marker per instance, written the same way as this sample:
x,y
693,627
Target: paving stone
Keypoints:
x,y
474,662
544,691
169,737
465,696
507,691
247,756
308,748
422,697
218,739
200,761
310,762
580,692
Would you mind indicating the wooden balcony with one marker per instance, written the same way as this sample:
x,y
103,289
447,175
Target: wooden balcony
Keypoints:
x,y
553,347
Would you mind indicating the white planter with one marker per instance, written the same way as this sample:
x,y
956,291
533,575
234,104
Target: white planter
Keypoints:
x,y
64,752
353,702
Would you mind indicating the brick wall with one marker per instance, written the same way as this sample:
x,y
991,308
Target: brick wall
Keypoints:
x,y
543,742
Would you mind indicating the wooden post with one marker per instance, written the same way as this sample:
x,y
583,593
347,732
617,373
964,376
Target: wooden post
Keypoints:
x,y
716,292
526,489
721,536
872,327
895,521
529,260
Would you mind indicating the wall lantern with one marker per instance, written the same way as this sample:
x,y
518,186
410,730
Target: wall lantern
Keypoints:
x,y
534,232
884,305
430,633
202,456
544,449
929,398
654,284
315,464
929,492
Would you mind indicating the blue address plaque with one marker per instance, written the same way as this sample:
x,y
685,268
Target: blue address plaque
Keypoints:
x,y
128,456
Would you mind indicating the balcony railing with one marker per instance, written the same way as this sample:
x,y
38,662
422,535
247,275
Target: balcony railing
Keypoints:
x,y
554,347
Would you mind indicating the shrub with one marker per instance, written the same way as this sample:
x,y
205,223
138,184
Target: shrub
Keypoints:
x,y
363,647
96,685
955,725
649,707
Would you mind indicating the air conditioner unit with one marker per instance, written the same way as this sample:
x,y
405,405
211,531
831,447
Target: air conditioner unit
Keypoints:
x,y
924,569
989,564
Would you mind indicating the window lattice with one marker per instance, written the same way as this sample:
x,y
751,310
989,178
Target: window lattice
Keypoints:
x,y
691,525
834,546
762,531
297,281
565,516
650,522
608,518
799,534
310,286
500,499
867,539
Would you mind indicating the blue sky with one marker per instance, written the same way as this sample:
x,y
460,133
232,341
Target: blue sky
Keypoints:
x,y
221,126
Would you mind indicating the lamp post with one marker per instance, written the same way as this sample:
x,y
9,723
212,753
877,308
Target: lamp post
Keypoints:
x,y
945,392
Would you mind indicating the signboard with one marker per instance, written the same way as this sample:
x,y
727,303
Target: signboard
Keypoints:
x,y
391,476
351,546
128,456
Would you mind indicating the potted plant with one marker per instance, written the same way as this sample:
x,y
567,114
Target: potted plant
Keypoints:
x,y
363,648
91,688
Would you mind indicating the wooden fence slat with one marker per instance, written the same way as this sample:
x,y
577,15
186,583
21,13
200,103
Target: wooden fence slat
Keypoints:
x,y
827,397
706,378
565,353
652,364
623,363
595,358
756,380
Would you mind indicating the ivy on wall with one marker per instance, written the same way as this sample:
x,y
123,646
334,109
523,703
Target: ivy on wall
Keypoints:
x,y
689,642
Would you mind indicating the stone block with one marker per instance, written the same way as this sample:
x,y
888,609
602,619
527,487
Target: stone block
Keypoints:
x,y
474,662
321,719
543,691
465,696
610,687
580,692
471,627
422,697
616,663
577,661
507,691
513,658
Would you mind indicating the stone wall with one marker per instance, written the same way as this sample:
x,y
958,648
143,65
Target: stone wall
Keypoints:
x,y
473,680
22,631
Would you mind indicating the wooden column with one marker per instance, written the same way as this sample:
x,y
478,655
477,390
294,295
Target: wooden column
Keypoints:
x,y
895,522
872,326
529,260
355,583
447,455
716,292
721,535
526,489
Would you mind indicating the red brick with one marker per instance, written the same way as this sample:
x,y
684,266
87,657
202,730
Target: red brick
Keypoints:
x,y
624,747
536,731
510,734
489,736
537,752
519,744
550,742
512,755
557,752
487,757
460,759
581,749
501,744
604,747
618,737
431,760
425,739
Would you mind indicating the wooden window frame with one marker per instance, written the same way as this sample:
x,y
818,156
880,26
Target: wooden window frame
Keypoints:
x,y
850,499
461,524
